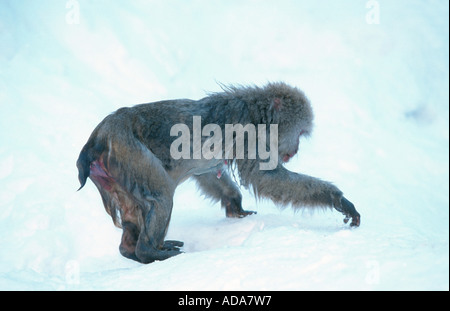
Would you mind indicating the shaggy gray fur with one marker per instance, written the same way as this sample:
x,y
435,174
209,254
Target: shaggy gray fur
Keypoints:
x,y
128,158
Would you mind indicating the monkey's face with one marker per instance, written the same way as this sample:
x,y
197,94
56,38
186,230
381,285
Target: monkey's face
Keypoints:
x,y
288,144
291,130
293,113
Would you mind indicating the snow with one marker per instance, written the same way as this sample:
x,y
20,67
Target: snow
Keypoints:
x,y
380,95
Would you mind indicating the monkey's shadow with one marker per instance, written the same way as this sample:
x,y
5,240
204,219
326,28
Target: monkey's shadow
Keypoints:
x,y
208,229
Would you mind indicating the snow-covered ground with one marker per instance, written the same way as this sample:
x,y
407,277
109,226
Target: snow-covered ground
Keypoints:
x,y
376,72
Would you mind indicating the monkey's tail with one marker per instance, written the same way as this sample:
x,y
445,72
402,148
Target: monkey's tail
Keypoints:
x,y
90,152
83,164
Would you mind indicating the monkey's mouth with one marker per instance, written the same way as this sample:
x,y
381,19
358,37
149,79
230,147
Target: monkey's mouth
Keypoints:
x,y
291,154
288,156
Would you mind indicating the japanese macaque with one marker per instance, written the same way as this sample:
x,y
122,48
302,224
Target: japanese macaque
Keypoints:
x,y
137,156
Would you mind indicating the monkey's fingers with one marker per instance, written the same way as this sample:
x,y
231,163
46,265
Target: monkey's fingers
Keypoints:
x,y
356,220
234,209
246,213
172,245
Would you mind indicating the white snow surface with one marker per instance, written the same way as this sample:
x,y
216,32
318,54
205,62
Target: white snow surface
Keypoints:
x,y
379,89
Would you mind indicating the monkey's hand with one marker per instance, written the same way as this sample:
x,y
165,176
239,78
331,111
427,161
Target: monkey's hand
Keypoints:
x,y
233,208
341,204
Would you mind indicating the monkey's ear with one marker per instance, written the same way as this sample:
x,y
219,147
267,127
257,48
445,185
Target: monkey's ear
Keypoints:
x,y
277,104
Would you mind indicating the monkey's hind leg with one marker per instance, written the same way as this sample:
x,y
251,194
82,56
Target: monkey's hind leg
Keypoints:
x,y
155,221
117,203
135,185
144,177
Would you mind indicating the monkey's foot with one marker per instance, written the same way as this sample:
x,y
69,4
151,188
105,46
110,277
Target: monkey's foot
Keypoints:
x,y
171,245
146,253
348,209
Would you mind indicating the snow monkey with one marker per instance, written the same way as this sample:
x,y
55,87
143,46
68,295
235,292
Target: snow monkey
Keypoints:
x,y
137,156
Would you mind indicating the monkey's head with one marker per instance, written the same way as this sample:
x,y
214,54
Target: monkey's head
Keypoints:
x,y
292,111
281,104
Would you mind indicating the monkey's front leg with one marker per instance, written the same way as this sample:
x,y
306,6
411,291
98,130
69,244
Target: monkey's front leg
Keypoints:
x,y
285,187
224,189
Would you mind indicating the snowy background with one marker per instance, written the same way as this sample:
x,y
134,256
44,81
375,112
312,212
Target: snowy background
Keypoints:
x,y
376,72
